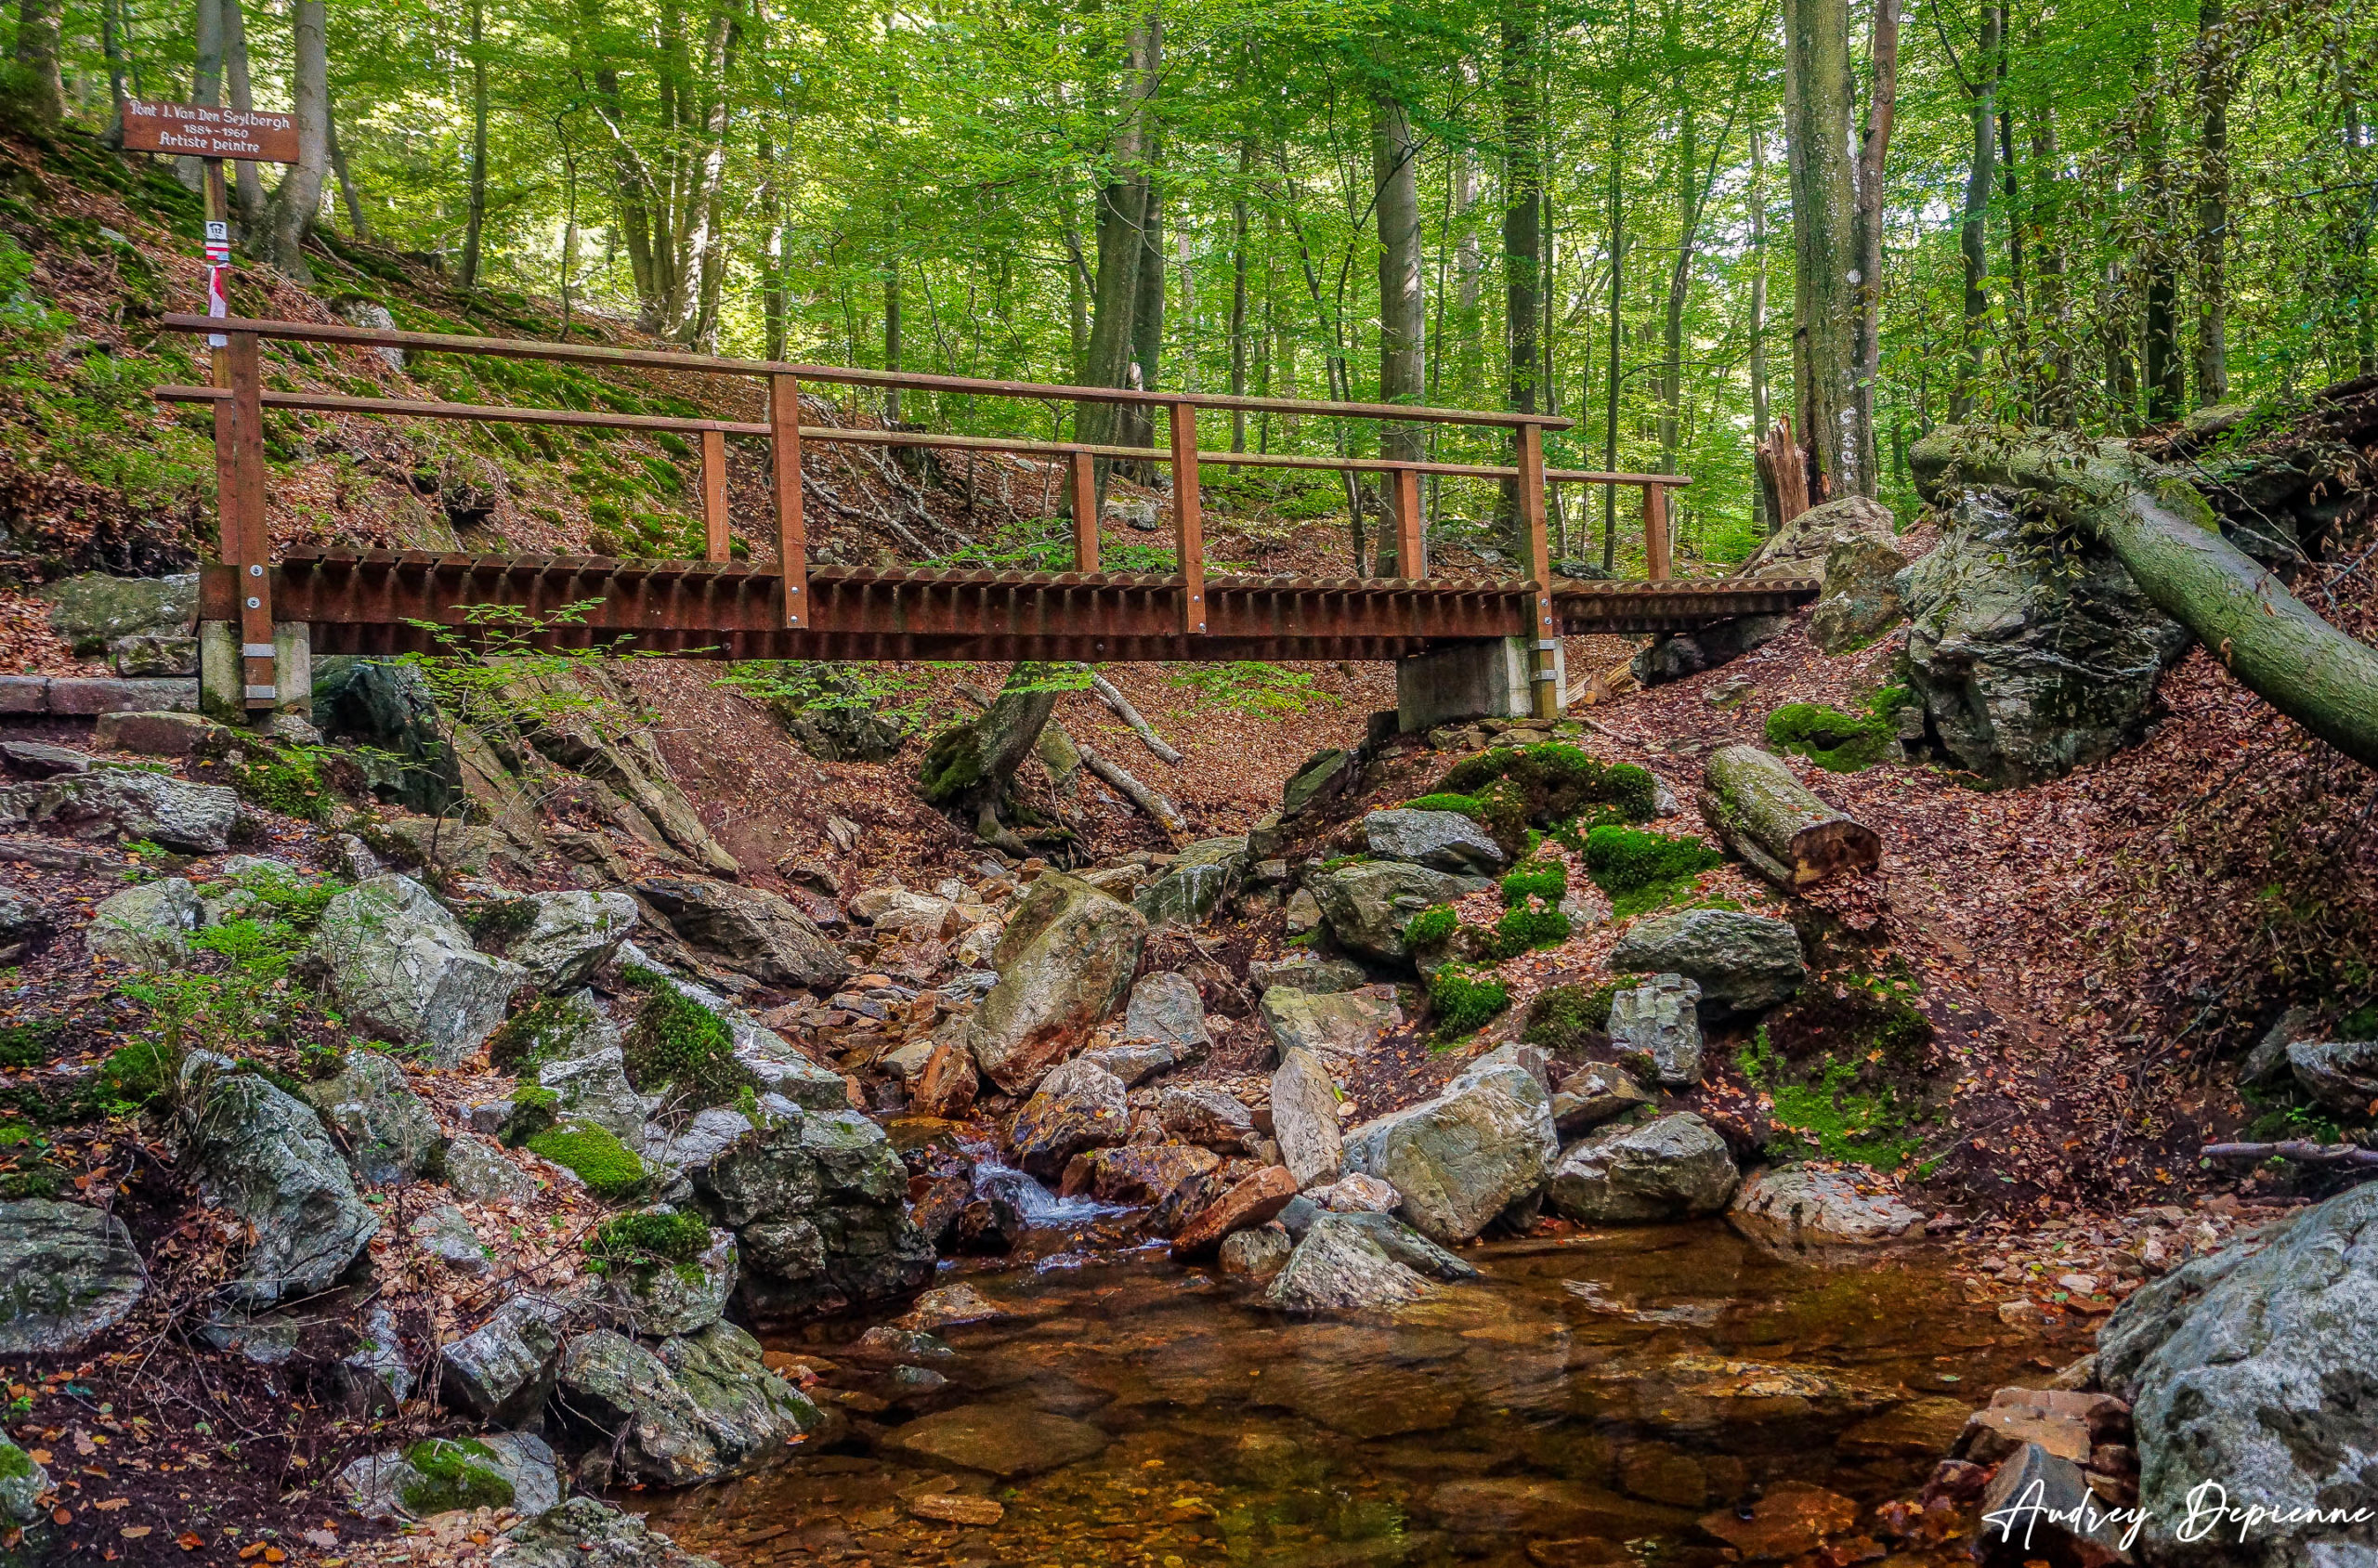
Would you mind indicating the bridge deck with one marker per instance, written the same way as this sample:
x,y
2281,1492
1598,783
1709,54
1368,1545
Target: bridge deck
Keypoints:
x,y
369,601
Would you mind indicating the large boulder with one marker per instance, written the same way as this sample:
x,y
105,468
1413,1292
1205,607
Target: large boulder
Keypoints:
x,y
776,1065
817,1202
1817,1210
2340,1074
1743,963
1367,904
1861,600
394,1135
586,1533
398,965
1661,1020
1195,885
570,936
1338,1027
1442,841
1304,1118
2250,1367
146,927
1800,547
387,706
752,933
1674,1168
132,804
1064,962
265,1157
68,1273
580,1059
1461,1158
1325,775
1358,1263
502,1371
2029,670
700,1407
1077,1107
677,1299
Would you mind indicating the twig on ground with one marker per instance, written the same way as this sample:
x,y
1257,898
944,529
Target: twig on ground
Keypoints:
x,y
1131,715
2300,1150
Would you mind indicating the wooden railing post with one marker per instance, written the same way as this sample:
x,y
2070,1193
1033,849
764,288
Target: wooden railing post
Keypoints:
x,y
1655,533
714,540
1411,559
247,544
792,537
1188,519
1544,643
1084,471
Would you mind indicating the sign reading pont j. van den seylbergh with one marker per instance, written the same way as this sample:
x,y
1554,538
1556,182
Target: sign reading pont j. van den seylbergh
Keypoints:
x,y
196,131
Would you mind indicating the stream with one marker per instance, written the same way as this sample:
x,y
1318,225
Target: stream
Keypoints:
x,y
1643,1395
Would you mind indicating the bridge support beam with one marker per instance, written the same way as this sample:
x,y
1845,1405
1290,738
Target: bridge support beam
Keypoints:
x,y
1494,679
224,692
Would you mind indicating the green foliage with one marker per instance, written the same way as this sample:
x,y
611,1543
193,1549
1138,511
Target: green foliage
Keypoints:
x,y
790,689
138,1076
454,1474
284,778
678,1045
1839,741
27,1045
1256,689
1643,870
1548,880
1466,804
641,1243
1570,1018
1465,1000
535,1108
1430,929
610,1168
1827,1112
534,1033
1517,788
1529,926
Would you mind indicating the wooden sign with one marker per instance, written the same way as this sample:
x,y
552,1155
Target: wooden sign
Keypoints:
x,y
196,131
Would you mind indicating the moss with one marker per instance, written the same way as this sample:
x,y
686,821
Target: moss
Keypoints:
x,y
1570,1018
454,1475
1464,1001
953,765
1520,787
138,1075
679,1043
1643,870
1548,880
1833,739
16,1186
534,1108
534,1033
288,780
644,1242
15,1463
1856,1014
27,1045
2360,1023
1466,805
1828,1111
610,1168
1529,925
1432,928
498,923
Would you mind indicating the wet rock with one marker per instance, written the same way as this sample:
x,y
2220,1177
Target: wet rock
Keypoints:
x,y
947,1085
502,1371
518,1468
1001,1440
1671,1169
1077,1107
1136,1174
584,1532
477,1172
572,936
1257,1254
1743,963
2340,1074
1659,1020
1593,1094
754,933
749,1414
1064,962
1336,1026
393,1135
1309,972
1920,1429
1195,885
1791,1520
2050,1513
2233,1365
1304,1118
682,1298
132,804
1353,1262
264,1157
1166,1008
948,1304
445,1234
701,1408
146,927
1792,1207
1357,1194
1368,905
580,1060
1861,600
397,963
1132,1063
1461,1158
890,910
1202,1113
70,1274
1442,841
819,1204
2028,671
1252,1202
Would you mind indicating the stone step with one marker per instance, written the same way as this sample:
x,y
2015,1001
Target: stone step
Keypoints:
x,y
89,695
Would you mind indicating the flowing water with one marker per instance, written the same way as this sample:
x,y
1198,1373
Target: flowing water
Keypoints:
x,y
1641,1395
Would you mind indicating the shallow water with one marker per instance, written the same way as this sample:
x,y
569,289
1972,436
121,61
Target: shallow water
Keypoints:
x,y
1609,1397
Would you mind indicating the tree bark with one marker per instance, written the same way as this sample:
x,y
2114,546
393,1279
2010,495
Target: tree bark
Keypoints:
x,y
1403,294
247,185
1751,800
1762,510
2168,388
1615,335
475,226
358,222
1122,213
970,766
1154,803
1522,196
2213,88
297,200
205,78
2163,533
1973,233
1135,424
42,90
1238,293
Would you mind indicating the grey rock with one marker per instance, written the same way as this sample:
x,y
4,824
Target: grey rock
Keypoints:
x,y
2074,1524
31,759
1337,1026
680,1299
575,934
817,1202
2236,1367
1659,1020
268,1338
1166,1007
701,1140
1132,1063
93,609
584,1532
750,1415
528,1462
132,802
1743,963
1593,1094
1442,841
1304,1118
1366,906
1064,960
478,1171
502,1371
397,963
1307,971
1672,656
755,933
22,917
146,927
583,1064
1324,776
1259,1253
2028,673
387,707
387,1485
1671,1169
776,1065
1195,885
394,1135
374,1374
23,1484
2340,1074
149,654
701,1409
1816,1211
70,1274
1077,1107
1301,913
1800,547
1356,1262
1203,1115
445,1234
1461,1158
265,1157
1861,600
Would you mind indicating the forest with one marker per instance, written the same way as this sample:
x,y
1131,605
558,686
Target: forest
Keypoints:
x,y
1656,219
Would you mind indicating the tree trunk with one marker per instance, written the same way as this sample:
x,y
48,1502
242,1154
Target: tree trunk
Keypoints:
x,y
970,765
1135,424
1154,803
1615,335
1762,510
1403,294
205,79
635,194
2055,396
41,90
1467,267
297,200
1522,196
247,184
1973,234
2163,533
1777,824
1122,212
773,304
113,43
1238,293
475,226
2167,387
2213,88
358,222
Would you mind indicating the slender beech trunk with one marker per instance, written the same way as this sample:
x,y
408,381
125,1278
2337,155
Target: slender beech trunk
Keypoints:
x,y
41,91
892,337
569,240
1469,267
773,304
1122,213
2053,318
1402,292
1617,295
635,194
2213,88
475,226
1687,220
2166,366
358,222
1135,424
1759,418
297,200
205,78
1238,293
1522,228
247,184
112,44
1973,233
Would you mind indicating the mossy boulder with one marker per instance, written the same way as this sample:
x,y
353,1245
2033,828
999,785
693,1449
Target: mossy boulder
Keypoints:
x,y
399,964
68,1273
394,1135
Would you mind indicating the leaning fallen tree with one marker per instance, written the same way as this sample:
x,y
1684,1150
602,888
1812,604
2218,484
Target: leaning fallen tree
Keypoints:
x,y
1776,824
2157,524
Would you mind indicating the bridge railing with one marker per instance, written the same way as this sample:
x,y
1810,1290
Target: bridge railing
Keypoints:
x,y
239,400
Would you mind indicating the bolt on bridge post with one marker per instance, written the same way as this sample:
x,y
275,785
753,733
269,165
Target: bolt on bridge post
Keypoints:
x,y
245,544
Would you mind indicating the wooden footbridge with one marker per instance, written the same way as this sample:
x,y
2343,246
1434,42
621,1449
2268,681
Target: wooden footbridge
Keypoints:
x,y
378,601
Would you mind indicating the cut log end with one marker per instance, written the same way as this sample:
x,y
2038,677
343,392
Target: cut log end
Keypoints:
x,y
1777,825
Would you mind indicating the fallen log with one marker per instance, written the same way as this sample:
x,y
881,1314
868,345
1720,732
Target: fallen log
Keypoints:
x,y
2165,534
1777,824
1123,710
1158,807
2301,1151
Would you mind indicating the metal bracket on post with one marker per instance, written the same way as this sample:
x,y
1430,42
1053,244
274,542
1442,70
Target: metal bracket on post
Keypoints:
x,y
792,535
245,544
